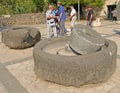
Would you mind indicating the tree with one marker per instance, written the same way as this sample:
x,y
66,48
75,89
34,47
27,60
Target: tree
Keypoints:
x,y
39,4
30,6
94,3
17,6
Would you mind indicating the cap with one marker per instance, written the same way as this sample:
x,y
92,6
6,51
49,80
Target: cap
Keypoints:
x,y
89,7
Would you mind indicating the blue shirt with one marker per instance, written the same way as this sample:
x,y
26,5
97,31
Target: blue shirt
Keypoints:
x,y
62,10
54,12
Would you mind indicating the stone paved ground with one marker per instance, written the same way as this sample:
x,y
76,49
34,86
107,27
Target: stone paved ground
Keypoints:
x,y
17,69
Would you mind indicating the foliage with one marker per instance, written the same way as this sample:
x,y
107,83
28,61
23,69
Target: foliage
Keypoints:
x,y
39,4
67,3
30,6
94,3
17,6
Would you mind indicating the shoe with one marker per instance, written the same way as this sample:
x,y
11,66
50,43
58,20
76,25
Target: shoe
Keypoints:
x,y
69,30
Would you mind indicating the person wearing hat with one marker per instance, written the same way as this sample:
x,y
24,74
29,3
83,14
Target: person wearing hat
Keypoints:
x,y
61,17
90,14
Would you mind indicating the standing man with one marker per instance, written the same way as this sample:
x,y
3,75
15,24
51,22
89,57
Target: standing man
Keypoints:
x,y
73,16
114,12
61,17
90,14
50,17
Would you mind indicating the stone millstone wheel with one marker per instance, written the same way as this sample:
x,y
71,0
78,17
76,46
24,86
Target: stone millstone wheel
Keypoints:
x,y
73,70
20,37
84,40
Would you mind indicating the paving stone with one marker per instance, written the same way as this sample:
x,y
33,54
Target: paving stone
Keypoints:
x,y
40,86
115,90
3,89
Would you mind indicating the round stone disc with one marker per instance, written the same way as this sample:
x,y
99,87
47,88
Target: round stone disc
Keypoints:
x,y
85,40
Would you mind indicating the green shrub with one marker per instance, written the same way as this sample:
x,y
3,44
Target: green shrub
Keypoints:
x,y
30,6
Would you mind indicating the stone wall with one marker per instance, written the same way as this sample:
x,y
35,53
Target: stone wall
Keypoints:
x,y
104,12
118,11
23,19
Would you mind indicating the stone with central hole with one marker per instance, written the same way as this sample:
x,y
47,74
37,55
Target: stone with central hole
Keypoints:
x,y
85,40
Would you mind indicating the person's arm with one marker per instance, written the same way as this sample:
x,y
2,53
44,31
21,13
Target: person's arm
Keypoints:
x,y
49,17
61,10
91,17
60,17
73,14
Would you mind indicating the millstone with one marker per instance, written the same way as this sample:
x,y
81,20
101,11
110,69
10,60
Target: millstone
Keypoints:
x,y
85,40
73,70
20,37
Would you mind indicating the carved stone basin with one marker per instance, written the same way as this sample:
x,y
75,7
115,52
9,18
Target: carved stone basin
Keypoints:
x,y
53,63
19,37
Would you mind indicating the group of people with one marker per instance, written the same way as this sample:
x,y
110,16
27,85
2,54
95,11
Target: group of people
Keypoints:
x,y
56,19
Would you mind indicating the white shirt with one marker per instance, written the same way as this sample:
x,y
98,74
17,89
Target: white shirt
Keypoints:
x,y
73,12
114,13
51,21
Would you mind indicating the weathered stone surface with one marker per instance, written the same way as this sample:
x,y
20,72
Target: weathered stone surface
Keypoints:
x,y
85,40
74,70
118,10
24,19
96,22
20,37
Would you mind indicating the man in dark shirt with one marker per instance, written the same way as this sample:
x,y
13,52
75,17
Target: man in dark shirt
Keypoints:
x,y
89,16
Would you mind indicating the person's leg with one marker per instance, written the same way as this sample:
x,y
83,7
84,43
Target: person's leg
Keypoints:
x,y
62,26
55,31
115,18
48,31
71,24
89,24
57,28
73,21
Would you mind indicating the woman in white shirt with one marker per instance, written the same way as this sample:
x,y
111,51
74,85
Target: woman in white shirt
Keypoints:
x,y
73,16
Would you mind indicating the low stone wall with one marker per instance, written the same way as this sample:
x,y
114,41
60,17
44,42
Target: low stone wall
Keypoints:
x,y
23,19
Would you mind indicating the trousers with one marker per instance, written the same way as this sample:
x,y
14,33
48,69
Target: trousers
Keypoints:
x,y
62,27
49,27
73,20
